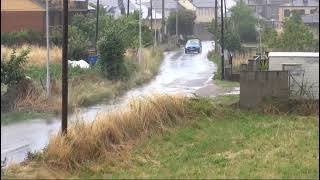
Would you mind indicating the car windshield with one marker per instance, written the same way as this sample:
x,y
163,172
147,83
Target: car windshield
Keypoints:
x,y
193,42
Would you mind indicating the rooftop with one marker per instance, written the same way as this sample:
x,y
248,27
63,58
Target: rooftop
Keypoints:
x,y
203,3
20,5
187,5
293,54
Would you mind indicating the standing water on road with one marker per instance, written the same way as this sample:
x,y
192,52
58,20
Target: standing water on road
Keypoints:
x,y
179,73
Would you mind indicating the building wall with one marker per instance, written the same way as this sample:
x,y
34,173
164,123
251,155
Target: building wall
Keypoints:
x,y
281,15
309,65
21,20
204,15
257,85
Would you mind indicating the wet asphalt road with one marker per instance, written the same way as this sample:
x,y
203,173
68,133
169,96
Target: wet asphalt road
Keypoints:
x,y
179,74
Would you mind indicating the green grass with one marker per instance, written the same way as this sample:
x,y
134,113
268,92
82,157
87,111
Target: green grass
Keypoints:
x,y
235,144
226,84
215,58
11,117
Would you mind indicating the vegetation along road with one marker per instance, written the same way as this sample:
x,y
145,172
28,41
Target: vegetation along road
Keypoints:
x,y
179,73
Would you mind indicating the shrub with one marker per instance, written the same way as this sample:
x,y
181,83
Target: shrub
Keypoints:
x,y
12,70
56,36
21,37
112,49
78,43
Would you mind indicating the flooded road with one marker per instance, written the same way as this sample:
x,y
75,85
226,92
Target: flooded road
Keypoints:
x,y
179,73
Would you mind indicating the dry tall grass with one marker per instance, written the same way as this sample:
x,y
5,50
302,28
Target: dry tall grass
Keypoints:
x,y
87,142
240,58
37,56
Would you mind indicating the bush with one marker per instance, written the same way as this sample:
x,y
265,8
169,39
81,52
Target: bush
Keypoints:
x,y
78,43
12,70
111,62
21,37
56,36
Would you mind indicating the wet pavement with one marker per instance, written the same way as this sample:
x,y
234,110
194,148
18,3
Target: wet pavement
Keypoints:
x,y
179,74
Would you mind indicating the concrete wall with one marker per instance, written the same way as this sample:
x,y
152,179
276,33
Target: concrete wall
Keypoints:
x,y
256,85
310,71
21,20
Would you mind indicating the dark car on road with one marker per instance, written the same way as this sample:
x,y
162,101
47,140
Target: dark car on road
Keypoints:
x,y
193,46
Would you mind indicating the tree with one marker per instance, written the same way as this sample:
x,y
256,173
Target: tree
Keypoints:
x,y
85,23
112,49
78,43
243,22
231,37
232,41
185,23
269,37
295,36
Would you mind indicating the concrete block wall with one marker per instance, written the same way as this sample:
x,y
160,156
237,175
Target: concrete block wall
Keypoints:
x,y
257,85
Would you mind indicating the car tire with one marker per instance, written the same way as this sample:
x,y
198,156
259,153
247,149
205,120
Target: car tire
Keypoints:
x,y
185,51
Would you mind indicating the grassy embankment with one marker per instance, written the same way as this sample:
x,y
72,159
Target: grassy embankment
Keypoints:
x,y
175,137
86,86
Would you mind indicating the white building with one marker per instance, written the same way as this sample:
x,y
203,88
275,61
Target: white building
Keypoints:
x,y
303,68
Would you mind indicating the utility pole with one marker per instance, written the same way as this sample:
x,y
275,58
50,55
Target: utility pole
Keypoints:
x,y
97,24
225,9
222,44
151,19
162,21
140,33
64,123
48,49
155,28
177,23
128,6
215,24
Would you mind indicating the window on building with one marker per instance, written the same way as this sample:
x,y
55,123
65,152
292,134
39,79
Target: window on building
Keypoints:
x,y
286,13
312,11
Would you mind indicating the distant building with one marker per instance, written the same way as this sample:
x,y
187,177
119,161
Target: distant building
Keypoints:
x,y
204,10
56,7
311,20
18,15
268,9
304,7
